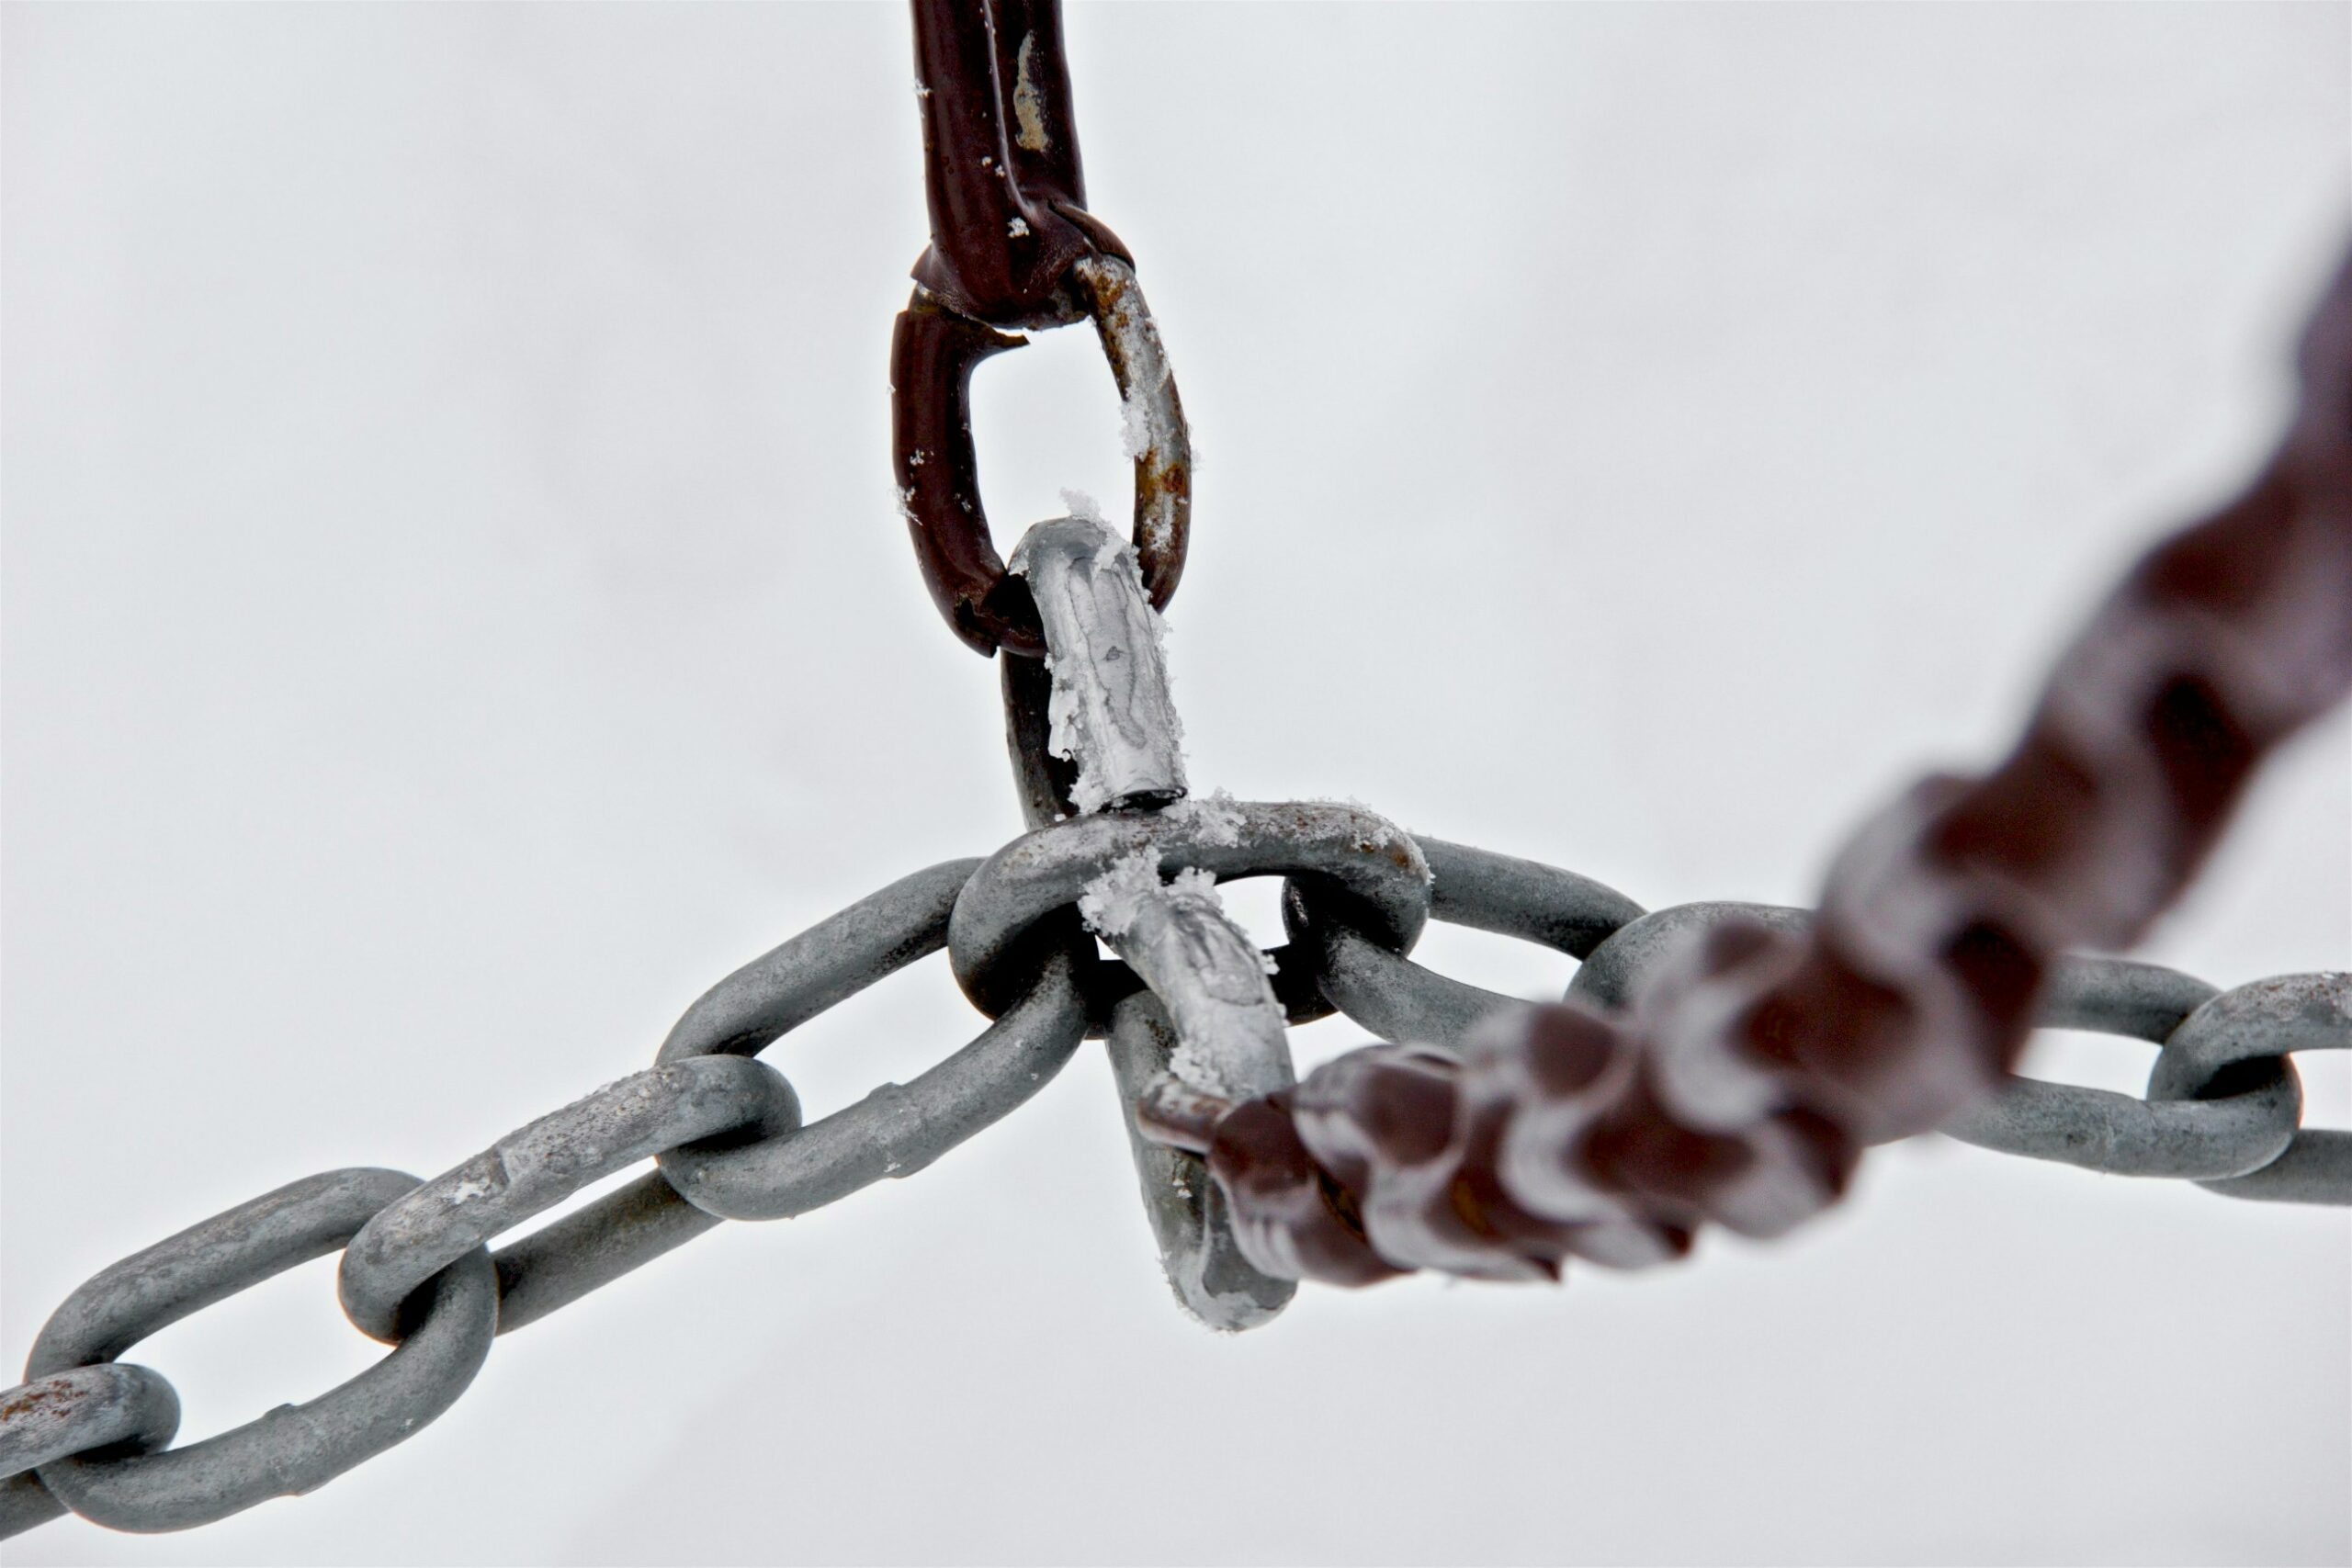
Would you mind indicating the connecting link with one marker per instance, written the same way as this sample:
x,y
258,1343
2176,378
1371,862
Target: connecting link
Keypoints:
x,y
1208,1014
1110,712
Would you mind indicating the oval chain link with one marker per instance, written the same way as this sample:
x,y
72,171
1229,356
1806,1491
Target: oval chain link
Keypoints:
x,y
293,1447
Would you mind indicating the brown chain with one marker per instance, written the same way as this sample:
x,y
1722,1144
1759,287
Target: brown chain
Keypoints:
x,y
1747,1073
1009,234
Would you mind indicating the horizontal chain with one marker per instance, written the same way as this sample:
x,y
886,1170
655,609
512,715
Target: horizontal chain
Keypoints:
x,y
88,1433
416,1270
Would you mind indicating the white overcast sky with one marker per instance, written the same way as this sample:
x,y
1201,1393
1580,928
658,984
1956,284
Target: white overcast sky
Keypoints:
x,y
454,612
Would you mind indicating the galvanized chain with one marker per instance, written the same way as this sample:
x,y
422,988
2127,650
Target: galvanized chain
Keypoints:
x,y
722,1129
1711,1061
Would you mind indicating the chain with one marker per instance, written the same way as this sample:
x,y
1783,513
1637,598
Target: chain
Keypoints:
x,y
1013,246
1718,1061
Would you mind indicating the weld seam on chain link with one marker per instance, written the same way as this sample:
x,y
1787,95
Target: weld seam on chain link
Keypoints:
x,y
898,1129
741,1015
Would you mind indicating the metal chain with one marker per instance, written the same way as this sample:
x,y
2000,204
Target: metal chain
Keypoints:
x,y
88,1432
1013,246
1712,1061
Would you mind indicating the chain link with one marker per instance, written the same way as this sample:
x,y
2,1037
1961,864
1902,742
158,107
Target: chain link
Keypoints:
x,y
444,1335
2232,1048
1013,246
1344,852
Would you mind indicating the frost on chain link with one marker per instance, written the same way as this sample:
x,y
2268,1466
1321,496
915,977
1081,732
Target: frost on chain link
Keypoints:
x,y
1135,427
1109,903
1214,819
1028,104
1151,418
1203,968
1110,711
1145,423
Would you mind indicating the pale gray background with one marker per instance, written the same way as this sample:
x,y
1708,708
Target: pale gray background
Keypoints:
x,y
456,611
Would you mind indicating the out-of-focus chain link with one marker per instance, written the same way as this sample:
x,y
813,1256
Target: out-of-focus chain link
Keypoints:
x,y
1729,1065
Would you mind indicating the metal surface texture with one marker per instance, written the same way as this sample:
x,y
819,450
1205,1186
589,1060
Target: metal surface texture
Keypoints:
x,y
647,1114
2221,1099
2215,1135
748,1011
1212,980
2249,1032
1208,1016
1001,172
109,1407
1399,1000
1109,712
1206,1266
934,352
898,1129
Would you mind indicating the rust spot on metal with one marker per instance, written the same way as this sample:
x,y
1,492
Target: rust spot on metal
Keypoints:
x,y
36,1400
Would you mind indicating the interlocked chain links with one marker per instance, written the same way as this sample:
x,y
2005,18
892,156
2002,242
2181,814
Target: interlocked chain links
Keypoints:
x,y
90,1433
1739,1080
1013,246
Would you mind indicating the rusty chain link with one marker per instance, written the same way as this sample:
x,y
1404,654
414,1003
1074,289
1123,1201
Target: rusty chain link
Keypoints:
x,y
1013,246
1711,1062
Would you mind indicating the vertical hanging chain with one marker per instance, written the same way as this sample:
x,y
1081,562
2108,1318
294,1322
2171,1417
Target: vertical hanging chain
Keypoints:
x,y
1014,246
